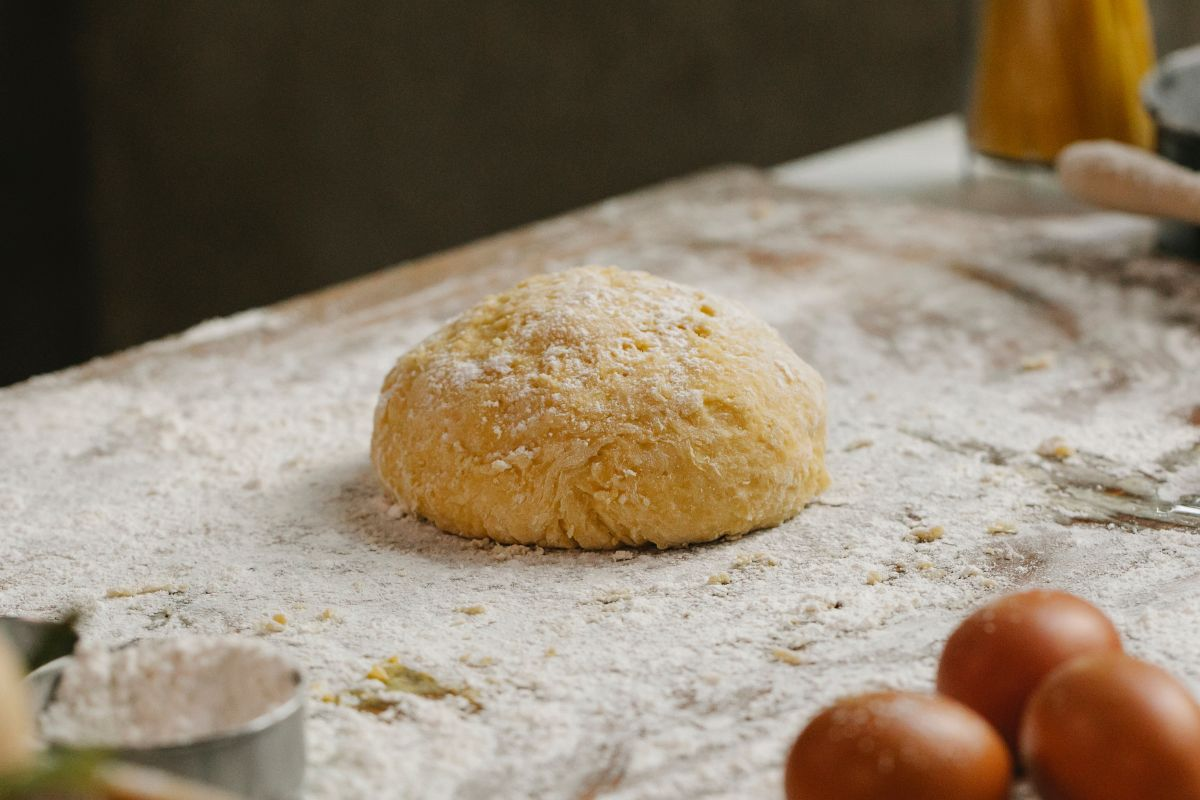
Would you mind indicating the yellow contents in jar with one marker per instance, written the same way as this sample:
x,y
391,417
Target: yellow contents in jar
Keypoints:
x,y
1052,72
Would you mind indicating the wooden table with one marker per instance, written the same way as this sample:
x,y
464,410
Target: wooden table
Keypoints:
x,y
218,482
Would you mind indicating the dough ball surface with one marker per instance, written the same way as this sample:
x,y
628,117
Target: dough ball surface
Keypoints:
x,y
600,408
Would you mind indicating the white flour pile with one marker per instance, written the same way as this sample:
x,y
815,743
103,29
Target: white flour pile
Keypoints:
x,y
220,483
164,691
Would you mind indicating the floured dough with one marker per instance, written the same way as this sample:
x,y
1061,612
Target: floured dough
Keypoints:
x,y
598,408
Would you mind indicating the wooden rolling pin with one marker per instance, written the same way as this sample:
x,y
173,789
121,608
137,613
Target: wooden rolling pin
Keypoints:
x,y
1125,178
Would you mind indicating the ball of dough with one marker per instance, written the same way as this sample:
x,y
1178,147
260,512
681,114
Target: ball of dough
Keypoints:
x,y
597,408
16,722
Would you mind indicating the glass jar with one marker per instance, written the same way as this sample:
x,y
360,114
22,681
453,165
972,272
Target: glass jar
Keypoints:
x,y
1051,72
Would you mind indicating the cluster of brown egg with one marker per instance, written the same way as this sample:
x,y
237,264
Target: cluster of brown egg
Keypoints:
x,y
1037,680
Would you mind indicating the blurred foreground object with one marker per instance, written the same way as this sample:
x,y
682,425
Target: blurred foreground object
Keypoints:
x,y
26,774
39,641
130,782
1051,72
1124,178
90,776
16,719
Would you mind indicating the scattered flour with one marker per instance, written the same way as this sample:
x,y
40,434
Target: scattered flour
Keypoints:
x,y
234,464
164,691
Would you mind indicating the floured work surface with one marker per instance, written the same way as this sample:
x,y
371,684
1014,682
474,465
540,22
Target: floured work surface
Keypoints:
x,y
219,482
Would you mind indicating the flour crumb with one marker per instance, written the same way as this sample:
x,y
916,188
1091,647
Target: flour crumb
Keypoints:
x,y
400,678
154,588
747,560
833,501
857,444
787,657
507,552
761,209
327,615
1001,528
874,577
472,611
720,579
1055,448
613,596
477,663
551,652
1038,361
927,535
623,555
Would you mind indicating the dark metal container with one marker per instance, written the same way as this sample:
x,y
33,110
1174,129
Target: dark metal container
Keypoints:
x,y
1172,96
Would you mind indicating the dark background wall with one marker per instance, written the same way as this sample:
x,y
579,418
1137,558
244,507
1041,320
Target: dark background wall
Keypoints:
x,y
168,162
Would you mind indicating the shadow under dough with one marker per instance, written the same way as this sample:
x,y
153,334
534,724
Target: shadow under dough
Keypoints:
x,y
347,499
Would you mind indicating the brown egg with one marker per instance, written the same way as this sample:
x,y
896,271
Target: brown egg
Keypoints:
x,y
898,746
999,655
1110,727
